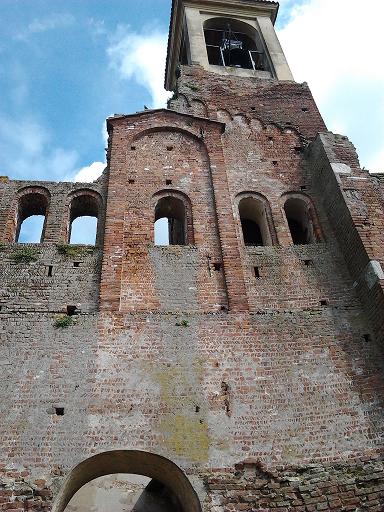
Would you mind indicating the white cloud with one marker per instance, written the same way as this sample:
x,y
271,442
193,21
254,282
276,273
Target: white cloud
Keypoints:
x,y
28,153
142,57
90,173
50,22
338,50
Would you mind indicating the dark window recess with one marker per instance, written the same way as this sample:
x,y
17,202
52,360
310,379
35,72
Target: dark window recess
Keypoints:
x,y
71,310
367,337
324,302
251,232
197,409
299,149
50,269
59,411
308,263
305,109
275,162
303,187
299,234
257,272
76,264
169,148
133,148
131,182
168,182
217,267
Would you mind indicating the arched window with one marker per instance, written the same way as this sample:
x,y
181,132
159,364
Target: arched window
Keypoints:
x,y
233,43
170,222
254,222
83,219
31,217
300,221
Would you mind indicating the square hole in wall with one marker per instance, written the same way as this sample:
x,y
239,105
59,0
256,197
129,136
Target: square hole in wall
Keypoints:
x,y
50,270
59,411
323,302
303,187
367,337
133,148
305,109
299,149
256,271
131,182
169,148
71,310
217,267
275,162
168,182
308,263
76,264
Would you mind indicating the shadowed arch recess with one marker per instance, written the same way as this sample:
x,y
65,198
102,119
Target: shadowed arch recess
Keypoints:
x,y
132,462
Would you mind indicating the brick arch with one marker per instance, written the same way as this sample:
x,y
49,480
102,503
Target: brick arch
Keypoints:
x,y
261,200
199,108
28,201
83,202
176,194
170,129
310,210
130,462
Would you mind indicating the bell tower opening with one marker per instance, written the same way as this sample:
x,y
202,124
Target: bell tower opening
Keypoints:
x,y
235,44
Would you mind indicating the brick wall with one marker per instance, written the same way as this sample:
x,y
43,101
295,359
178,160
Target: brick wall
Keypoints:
x,y
267,391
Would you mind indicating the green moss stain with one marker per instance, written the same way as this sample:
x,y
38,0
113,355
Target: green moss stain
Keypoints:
x,y
186,436
185,432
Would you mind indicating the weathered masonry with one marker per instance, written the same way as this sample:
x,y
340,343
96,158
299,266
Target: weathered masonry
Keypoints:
x,y
235,364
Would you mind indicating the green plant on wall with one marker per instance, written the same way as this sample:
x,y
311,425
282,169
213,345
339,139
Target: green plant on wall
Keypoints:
x,y
63,321
25,255
74,250
183,323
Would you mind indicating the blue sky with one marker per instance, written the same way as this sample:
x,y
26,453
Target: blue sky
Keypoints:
x,y
68,64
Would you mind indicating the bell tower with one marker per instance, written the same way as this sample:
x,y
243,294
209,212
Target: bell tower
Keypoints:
x,y
227,37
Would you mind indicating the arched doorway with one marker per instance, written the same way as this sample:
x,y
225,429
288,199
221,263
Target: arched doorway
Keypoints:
x,y
167,488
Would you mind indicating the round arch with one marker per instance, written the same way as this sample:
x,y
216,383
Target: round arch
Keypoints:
x,y
222,34
132,462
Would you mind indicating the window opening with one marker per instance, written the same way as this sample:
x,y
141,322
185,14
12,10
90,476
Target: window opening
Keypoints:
x,y
31,218
228,44
257,272
59,411
299,221
217,267
50,269
170,222
254,222
84,214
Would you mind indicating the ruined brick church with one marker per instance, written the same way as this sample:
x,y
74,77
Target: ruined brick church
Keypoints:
x,y
238,366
